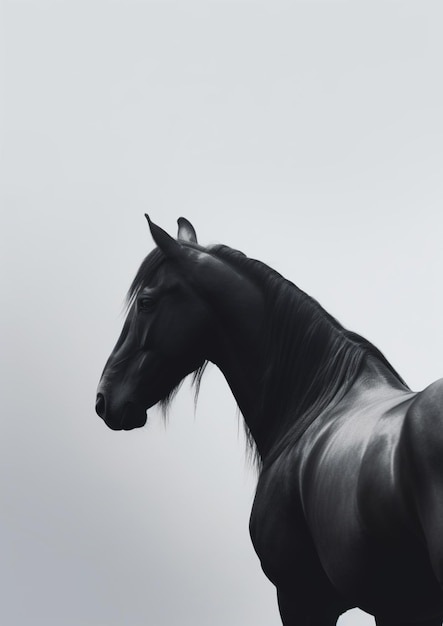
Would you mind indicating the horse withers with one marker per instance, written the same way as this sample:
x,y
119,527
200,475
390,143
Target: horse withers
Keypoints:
x,y
348,510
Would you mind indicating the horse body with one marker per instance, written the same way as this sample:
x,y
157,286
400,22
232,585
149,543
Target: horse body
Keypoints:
x,y
349,502
336,513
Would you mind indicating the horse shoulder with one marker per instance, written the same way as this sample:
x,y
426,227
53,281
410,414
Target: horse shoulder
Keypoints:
x,y
274,532
285,548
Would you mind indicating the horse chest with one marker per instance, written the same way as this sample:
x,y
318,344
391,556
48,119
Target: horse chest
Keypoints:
x,y
277,528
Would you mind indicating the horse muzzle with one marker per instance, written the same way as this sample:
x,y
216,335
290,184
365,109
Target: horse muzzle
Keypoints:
x,y
126,417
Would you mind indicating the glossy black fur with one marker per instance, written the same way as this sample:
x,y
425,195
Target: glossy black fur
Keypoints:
x,y
349,503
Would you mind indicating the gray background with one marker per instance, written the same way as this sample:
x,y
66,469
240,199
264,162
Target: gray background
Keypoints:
x,y
308,135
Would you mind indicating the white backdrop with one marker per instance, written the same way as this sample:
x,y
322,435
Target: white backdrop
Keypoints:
x,y
307,134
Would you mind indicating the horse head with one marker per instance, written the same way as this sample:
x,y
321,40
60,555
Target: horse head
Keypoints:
x,y
178,306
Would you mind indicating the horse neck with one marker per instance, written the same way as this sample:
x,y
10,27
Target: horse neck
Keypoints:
x,y
285,370
236,352
284,357
274,358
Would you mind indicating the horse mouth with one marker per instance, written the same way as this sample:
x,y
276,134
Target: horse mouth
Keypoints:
x,y
133,417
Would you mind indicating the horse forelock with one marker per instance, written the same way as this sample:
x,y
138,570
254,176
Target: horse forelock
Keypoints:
x,y
149,268
145,274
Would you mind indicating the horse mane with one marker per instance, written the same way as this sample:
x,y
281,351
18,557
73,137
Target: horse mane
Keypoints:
x,y
308,358
145,275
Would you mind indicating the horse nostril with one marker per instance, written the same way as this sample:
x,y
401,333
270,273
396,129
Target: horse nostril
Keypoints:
x,y
100,405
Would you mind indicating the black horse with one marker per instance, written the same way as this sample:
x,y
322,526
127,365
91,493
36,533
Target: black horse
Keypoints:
x,y
349,504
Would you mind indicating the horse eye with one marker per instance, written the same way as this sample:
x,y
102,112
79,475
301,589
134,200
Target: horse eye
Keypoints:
x,y
146,304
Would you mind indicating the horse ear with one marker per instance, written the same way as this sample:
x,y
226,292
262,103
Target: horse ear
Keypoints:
x,y
165,242
186,231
